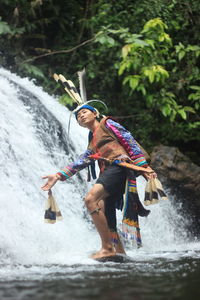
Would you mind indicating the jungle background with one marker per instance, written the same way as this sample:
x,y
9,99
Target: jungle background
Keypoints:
x,y
141,58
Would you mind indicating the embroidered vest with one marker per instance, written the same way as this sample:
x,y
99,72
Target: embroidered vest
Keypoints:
x,y
105,143
145,153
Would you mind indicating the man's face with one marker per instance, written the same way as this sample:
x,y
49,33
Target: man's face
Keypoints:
x,y
86,117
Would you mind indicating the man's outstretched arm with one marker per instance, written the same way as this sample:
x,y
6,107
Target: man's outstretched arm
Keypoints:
x,y
82,162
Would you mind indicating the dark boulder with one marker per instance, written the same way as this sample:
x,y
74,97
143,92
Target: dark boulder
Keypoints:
x,y
182,177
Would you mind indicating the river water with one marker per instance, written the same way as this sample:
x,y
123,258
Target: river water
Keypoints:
x,y
43,261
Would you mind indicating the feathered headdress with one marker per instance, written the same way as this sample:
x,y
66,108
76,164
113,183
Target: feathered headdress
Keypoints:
x,y
79,99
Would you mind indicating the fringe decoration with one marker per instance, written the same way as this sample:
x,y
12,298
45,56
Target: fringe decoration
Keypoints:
x,y
130,222
131,208
153,190
52,212
131,233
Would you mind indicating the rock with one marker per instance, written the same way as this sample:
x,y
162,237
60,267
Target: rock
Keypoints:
x,y
179,174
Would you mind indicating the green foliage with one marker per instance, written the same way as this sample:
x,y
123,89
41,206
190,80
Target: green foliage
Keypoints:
x,y
33,71
195,97
143,58
144,61
4,27
11,31
143,66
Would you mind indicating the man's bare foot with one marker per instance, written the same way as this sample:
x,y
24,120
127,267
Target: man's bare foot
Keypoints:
x,y
103,253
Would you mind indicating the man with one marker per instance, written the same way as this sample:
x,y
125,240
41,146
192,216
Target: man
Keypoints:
x,y
112,145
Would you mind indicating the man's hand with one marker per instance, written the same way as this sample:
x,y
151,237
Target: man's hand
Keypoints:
x,y
149,174
52,179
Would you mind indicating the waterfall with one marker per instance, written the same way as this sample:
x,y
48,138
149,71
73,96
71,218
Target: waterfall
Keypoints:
x,y
34,143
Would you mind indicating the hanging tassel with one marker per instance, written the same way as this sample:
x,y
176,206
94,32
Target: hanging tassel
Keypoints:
x,y
153,190
160,189
130,223
52,212
131,234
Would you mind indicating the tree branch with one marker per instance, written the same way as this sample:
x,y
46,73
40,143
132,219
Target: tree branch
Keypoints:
x,y
58,51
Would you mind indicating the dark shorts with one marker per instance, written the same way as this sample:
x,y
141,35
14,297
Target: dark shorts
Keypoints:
x,y
113,180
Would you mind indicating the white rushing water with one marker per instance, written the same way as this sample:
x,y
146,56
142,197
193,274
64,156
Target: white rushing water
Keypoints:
x,y
33,143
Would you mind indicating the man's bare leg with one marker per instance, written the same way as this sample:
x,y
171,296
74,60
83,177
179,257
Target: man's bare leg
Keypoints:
x,y
119,248
95,195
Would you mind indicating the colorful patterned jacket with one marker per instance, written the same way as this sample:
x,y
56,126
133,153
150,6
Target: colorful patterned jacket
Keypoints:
x,y
124,138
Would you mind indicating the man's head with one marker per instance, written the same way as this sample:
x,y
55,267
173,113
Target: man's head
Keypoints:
x,y
86,115
85,106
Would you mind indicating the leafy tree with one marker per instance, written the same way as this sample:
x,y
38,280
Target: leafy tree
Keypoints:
x,y
141,57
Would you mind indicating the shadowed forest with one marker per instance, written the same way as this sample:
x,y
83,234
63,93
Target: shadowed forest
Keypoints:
x,y
141,58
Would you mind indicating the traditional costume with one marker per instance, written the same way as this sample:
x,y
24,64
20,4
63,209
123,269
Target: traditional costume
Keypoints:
x,y
114,147
111,144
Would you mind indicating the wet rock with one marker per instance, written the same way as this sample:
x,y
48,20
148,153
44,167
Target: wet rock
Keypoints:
x,y
182,177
